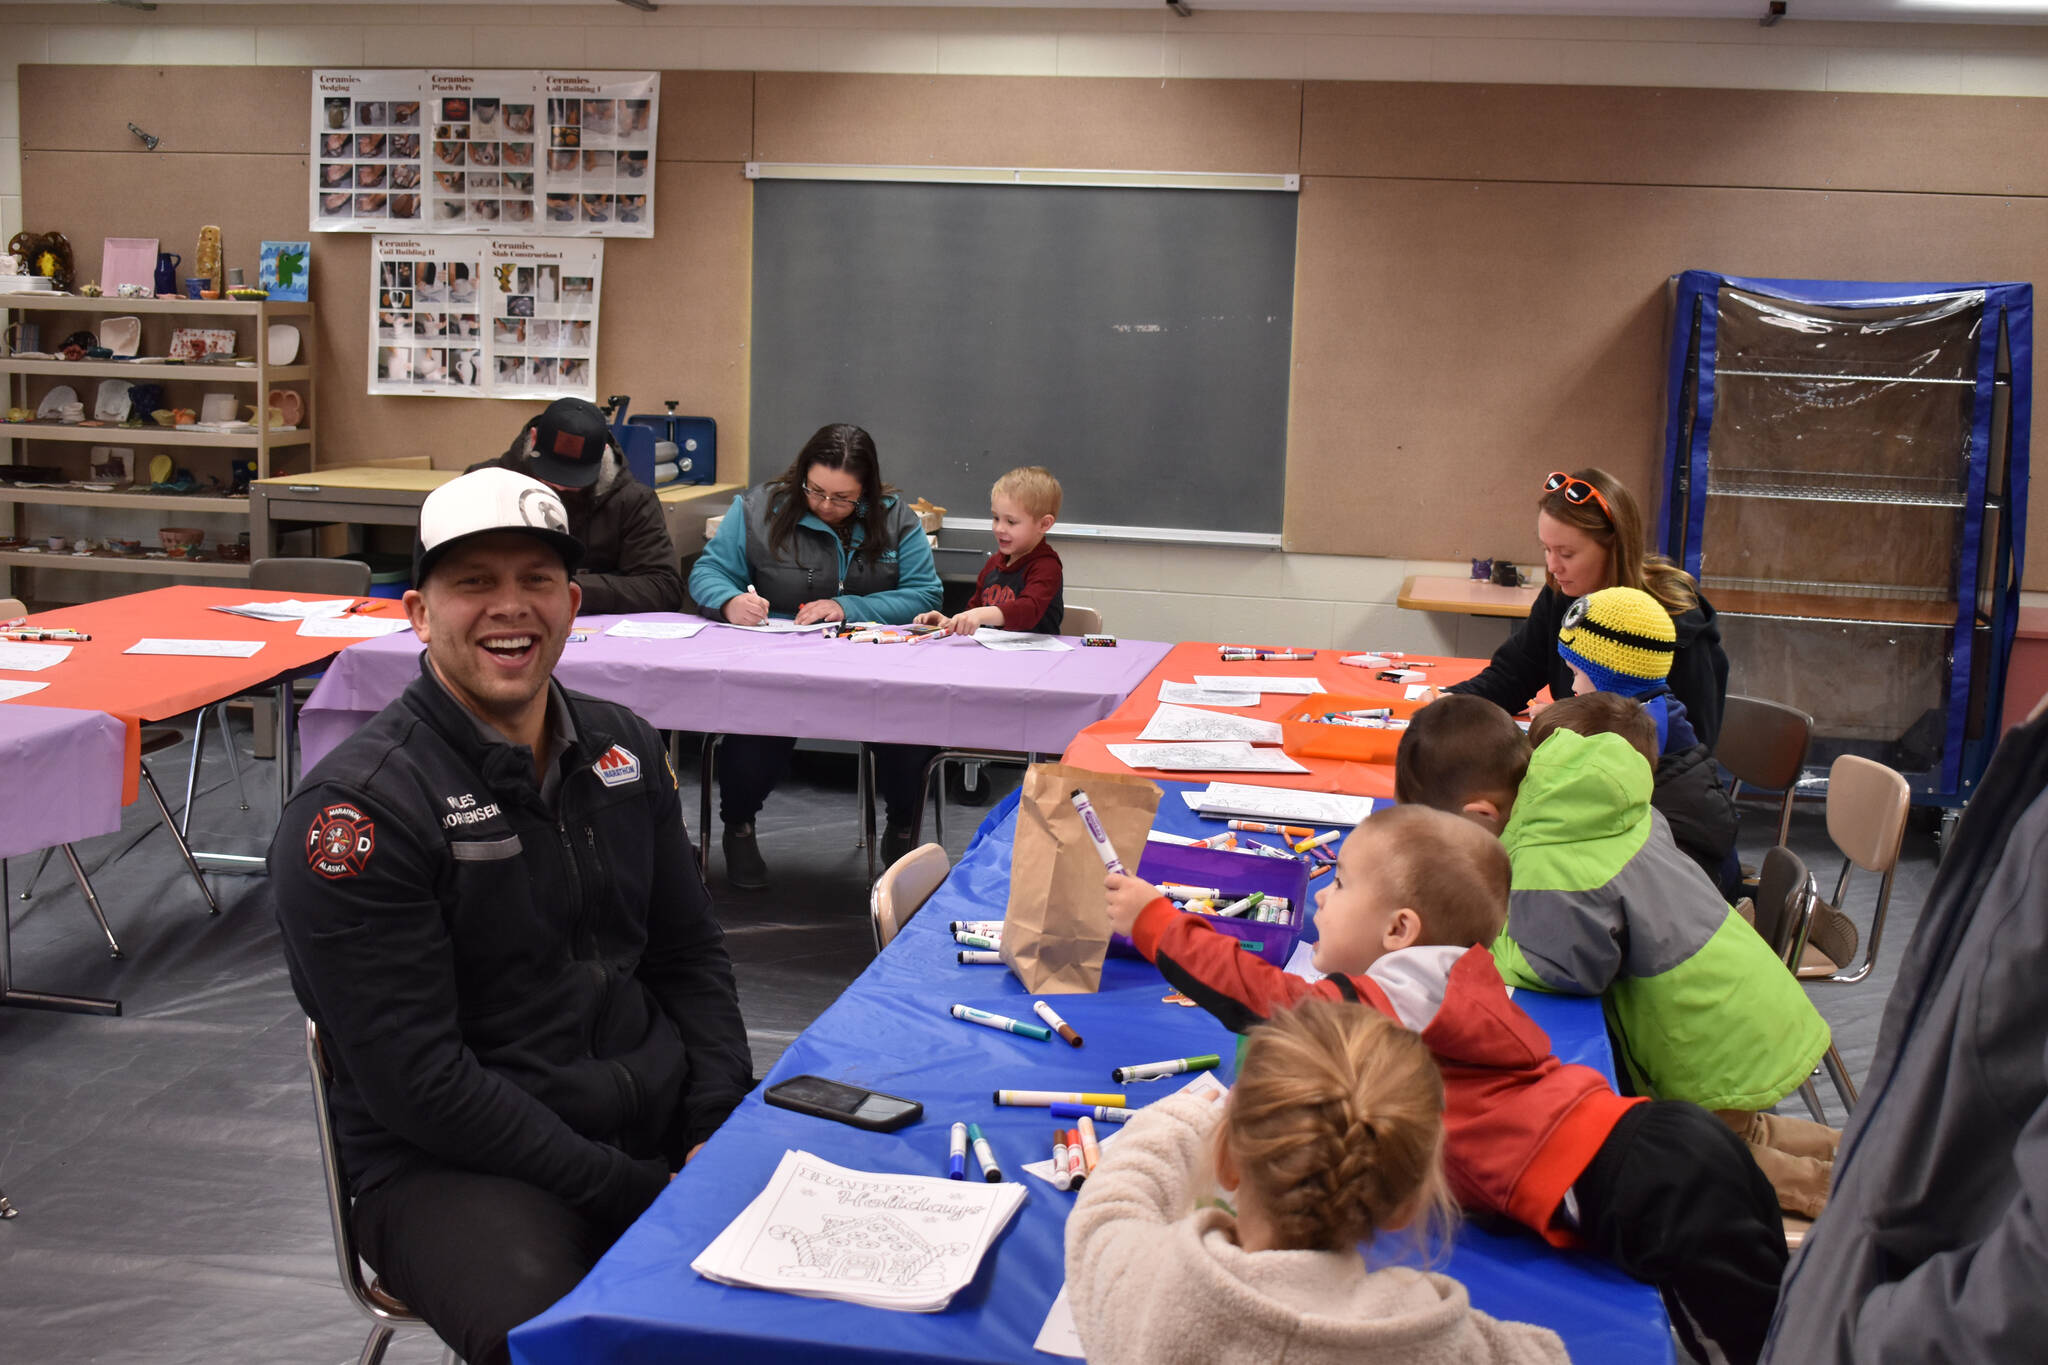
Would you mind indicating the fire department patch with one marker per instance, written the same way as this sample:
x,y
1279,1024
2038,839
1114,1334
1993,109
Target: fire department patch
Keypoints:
x,y
339,842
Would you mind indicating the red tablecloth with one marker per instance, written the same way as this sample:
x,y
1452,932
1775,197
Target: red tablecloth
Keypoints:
x,y
1185,661
141,688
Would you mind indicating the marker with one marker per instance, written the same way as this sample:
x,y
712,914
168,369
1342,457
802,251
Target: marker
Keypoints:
x,y
1077,1169
1180,892
1260,827
977,941
1152,1071
984,1155
1225,840
1093,823
1003,1022
1238,907
1288,656
1062,1178
1101,1113
1317,841
979,957
990,927
1320,870
1057,1024
1091,1151
956,1160
1242,658
1039,1099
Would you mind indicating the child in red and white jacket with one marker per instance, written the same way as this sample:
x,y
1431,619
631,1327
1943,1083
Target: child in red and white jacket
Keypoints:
x,y
1662,1189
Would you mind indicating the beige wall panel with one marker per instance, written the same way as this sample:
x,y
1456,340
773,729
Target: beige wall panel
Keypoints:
x,y
706,116
1778,138
1455,342
191,108
1028,121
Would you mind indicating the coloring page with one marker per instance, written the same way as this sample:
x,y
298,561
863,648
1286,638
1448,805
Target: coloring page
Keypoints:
x,y
1230,756
989,637
1193,694
1281,804
1172,722
1247,682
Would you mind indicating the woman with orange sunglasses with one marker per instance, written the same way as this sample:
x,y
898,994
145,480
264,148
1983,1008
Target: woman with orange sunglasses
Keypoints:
x,y
1592,537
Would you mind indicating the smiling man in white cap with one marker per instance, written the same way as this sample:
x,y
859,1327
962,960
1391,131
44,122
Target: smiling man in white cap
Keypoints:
x,y
490,908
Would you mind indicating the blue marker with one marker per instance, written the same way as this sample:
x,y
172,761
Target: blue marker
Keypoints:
x,y
956,1161
1101,1113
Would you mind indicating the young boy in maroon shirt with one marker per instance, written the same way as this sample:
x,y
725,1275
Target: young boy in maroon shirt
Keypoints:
x,y
1662,1189
1019,587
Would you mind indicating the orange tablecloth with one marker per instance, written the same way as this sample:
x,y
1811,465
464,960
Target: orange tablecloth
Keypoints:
x,y
1185,661
141,688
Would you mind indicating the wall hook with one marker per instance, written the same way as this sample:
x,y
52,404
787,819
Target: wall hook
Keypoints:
x,y
148,140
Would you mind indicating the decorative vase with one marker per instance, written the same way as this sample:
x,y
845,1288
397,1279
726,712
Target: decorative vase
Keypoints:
x,y
207,259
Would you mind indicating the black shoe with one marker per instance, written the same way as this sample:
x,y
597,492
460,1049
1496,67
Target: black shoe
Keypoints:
x,y
897,840
744,867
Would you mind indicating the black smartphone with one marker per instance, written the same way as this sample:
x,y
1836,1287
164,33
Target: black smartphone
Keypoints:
x,y
869,1109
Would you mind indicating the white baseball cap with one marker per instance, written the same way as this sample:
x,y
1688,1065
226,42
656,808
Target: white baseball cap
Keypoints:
x,y
486,500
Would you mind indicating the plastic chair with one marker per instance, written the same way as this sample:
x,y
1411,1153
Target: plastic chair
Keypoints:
x,y
1866,812
11,607
904,886
384,1309
1082,621
1786,895
154,740
1765,743
317,577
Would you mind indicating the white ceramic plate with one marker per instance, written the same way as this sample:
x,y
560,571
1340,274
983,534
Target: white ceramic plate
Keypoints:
x,y
284,343
52,406
112,405
121,335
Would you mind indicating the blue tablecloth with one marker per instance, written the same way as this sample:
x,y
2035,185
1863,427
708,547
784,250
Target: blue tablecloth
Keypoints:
x,y
890,1031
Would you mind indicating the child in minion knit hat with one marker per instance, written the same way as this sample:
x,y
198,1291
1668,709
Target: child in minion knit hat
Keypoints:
x,y
1621,640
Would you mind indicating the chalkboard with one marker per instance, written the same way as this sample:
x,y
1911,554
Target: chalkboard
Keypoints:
x,y
1135,341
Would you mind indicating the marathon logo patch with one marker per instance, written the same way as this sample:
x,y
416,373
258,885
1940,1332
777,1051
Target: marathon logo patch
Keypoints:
x,y
616,766
340,841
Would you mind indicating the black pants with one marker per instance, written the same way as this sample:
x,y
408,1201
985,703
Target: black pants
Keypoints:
x,y
475,1255
751,766
1674,1199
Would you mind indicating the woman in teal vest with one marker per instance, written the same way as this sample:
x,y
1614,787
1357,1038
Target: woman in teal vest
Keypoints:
x,y
827,541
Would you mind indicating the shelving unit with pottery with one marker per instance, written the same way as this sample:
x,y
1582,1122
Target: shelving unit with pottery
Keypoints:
x,y
270,377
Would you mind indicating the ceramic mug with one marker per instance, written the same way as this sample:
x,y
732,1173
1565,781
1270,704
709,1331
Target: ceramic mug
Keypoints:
x,y
193,286
56,542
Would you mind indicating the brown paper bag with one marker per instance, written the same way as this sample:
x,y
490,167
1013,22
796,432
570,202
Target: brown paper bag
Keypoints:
x,y
1056,929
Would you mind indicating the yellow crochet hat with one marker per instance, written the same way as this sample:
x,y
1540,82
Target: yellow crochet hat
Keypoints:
x,y
1622,638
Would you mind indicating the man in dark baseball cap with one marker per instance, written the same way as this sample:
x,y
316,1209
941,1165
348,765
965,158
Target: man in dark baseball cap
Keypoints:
x,y
629,563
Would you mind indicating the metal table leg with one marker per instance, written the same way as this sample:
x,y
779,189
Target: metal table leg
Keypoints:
x,y
37,1000
249,864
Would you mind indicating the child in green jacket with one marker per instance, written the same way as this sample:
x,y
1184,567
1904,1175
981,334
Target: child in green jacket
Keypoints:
x,y
1604,903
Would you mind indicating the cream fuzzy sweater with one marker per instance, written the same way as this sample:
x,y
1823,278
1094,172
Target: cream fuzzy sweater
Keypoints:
x,y
1151,1282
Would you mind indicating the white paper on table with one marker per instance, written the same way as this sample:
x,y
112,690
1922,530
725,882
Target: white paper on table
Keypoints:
x,y
19,656
1204,1083
1281,805
1415,692
655,630
774,627
1172,722
292,609
1247,682
10,688
989,637
789,1238
209,649
1195,756
1302,962
1193,694
1058,1337
353,627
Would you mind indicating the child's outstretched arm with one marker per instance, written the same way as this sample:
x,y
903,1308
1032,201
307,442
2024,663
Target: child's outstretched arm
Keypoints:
x,y
1116,1272
1239,988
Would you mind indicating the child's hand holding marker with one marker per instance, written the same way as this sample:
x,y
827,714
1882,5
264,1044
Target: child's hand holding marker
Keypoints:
x,y
1128,895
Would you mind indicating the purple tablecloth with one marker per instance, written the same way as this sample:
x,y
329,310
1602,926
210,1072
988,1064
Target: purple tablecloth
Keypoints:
x,y
950,692
63,776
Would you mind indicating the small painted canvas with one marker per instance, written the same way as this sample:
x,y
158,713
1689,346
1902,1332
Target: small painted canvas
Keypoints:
x,y
285,269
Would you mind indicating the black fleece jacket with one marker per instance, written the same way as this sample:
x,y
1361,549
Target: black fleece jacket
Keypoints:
x,y
1528,661
529,992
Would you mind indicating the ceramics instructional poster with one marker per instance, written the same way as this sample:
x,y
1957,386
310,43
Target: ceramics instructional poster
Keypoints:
x,y
511,317
482,152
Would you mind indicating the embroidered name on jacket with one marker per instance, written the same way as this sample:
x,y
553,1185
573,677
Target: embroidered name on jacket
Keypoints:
x,y
340,840
616,766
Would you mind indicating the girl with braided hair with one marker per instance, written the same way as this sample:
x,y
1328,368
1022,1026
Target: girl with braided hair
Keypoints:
x,y
1331,1141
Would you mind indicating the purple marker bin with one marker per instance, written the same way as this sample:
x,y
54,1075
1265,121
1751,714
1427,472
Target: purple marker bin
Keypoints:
x,y
1236,875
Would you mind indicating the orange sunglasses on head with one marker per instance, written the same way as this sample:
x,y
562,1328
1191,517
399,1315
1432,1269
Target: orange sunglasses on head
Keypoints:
x,y
1577,492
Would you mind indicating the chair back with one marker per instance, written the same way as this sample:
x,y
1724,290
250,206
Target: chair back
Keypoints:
x,y
327,577
366,1295
1781,899
1867,805
903,887
1765,743
1081,620
11,607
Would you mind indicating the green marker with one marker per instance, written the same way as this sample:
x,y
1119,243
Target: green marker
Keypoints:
x,y
1152,1071
1003,1022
